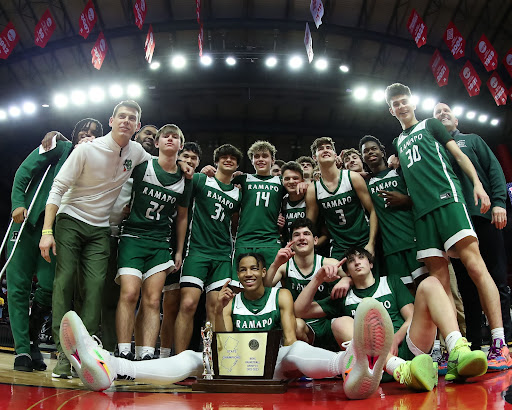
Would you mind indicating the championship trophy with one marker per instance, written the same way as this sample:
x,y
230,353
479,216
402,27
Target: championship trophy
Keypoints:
x,y
244,362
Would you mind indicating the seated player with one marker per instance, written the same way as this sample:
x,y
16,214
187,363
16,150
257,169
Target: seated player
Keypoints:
x,y
295,266
159,188
415,322
361,365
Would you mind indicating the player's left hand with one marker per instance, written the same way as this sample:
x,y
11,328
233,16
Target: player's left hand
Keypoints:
x,y
19,214
302,188
370,248
341,288
480,194
329,273
187,169
209,170
86,139
395,198
499,217
177,262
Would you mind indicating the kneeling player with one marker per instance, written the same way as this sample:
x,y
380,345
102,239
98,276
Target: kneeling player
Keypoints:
x,y
361,365
415,321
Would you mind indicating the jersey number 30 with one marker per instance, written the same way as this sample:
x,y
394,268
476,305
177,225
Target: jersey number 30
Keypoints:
x,y
413,155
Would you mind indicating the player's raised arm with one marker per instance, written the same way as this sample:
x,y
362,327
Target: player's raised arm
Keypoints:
x,y
277,270
223,309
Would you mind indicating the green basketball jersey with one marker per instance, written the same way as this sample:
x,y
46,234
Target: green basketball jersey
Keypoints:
x,y
261,314
293,210
388,290
155,195
261,204
396,226
343,213
426,167
296,281
210,227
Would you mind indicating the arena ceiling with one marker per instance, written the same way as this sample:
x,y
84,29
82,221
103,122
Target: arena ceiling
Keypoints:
x,y
239,104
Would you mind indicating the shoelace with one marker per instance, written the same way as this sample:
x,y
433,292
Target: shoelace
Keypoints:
x,y
405,373
495,352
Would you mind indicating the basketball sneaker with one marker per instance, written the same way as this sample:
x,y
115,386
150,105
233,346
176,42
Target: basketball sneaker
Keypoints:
x,y
464,362
366,355
498,357
91,362
419,374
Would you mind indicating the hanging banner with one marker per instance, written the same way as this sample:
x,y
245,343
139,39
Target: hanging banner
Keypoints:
x,y
470,79
507,62
8,40
497,89
198,11
417,28
317,11
99,51
486,53
140,10
44,29
439,69
87,19
308,43
149,46
454,41
200,39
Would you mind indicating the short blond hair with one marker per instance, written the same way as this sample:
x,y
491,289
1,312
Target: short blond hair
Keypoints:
x,y
170,129
259,146
321,141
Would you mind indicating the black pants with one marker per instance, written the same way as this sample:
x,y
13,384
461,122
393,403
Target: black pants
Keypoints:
x,y
492,248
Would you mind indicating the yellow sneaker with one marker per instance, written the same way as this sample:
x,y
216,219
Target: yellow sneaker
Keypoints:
x,y
419,374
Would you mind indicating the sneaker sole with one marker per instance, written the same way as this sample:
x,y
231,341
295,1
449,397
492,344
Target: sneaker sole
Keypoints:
x,y
60,376
474,365
373,335
92,371
424,372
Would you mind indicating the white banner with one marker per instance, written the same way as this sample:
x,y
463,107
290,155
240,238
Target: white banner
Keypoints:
x,y
308,43
317,11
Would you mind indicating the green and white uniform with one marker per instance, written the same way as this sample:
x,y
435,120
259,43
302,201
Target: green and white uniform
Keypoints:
x,y
343,213
208,259
433,187
144,244
261,314
257,230
388,290
295,281
291,211
396,227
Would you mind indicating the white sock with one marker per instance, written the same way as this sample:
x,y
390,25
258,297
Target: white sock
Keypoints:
x,y
392,364
123,367
498,333
452,339
165,352
124,347
145,350
138,351
172,369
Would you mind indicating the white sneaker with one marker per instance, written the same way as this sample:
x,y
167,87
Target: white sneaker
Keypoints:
x,y
366,355
91,362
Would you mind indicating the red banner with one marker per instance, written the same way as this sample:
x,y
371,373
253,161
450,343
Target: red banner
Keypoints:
x,y
497,89
200,39
417,28
487,54
149,46
198,11
470,79
8,40
140,10
87,19
439,69
454,41
99,51
507,62
44,29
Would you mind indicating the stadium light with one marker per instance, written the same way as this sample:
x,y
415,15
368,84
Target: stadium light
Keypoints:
x,y
78,97
321,64
495,122
96,94
482,118
428,104
3,115
133,90
295,62
344,68
471,115
14,111
457,110
206,60
271,61
231,61
415,99
116,91
60,100
378,96
178,62
360,93
155,65
29,108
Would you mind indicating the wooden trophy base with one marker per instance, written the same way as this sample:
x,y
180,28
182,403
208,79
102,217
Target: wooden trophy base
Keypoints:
x,y
241,385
